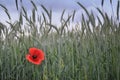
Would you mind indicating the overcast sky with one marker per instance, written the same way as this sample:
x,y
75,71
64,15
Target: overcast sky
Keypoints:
x,y
57,6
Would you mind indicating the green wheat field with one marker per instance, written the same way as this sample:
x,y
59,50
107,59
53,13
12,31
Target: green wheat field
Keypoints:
x,y
89,51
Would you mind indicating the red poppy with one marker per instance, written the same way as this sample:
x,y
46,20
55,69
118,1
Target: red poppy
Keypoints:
x,y
35,56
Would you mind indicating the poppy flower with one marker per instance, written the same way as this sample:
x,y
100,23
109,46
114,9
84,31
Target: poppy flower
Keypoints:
x,y
35,56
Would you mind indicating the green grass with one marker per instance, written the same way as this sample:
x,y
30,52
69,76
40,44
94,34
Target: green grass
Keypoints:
x,y
89,53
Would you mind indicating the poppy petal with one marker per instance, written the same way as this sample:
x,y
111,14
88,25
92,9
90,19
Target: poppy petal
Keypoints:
x,y
37,62
41,54
32,50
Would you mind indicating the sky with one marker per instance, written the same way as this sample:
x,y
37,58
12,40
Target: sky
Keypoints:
x,y
57,7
